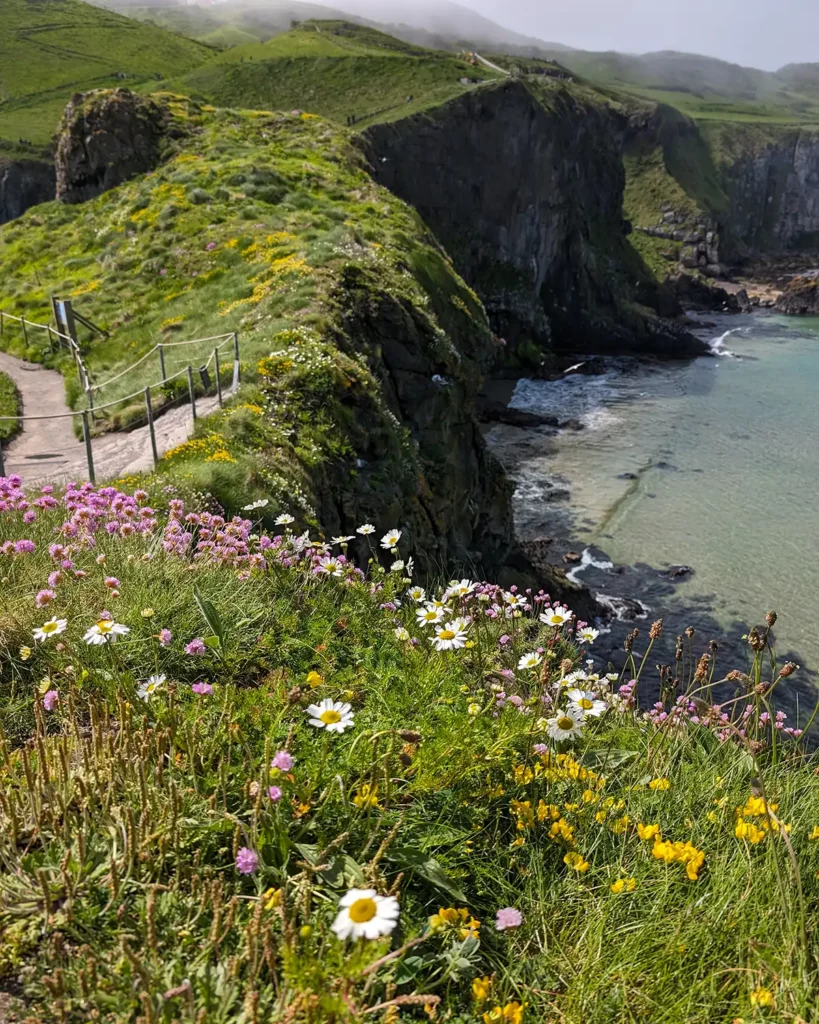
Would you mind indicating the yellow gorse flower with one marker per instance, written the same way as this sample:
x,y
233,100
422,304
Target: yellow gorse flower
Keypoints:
x,y
481,988
685,853
648,831
575,861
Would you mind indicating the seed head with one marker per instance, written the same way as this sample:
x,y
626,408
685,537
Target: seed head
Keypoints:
x,y
656,630
788,669
770,618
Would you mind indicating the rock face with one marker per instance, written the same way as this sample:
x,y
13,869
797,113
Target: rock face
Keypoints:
x,y
695,293
772,185
526,196
24,183
801,297
104,139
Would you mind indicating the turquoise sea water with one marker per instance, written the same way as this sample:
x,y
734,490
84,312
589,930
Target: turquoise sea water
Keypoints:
x,y
724,458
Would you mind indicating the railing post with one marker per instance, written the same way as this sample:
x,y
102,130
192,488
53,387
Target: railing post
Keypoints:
x,y
151,430
50,337
1,323
86,433
89,395
25,332
218,378
162,361
190,389
236,346
2,464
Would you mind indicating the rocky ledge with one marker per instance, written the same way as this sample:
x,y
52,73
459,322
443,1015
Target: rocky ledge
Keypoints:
x,y
801,296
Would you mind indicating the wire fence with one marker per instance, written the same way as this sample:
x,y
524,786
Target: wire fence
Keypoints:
x,y
210,374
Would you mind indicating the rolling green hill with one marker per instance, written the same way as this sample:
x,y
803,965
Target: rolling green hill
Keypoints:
x,y
54,48
335,69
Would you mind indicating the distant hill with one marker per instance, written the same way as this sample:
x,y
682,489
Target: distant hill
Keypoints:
x,y
341,70
53,48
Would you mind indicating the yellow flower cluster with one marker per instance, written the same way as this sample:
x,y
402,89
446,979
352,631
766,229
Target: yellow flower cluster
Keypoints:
x,y
576,862
659,785
171,323
755,831
220,455
455,919
367,796
481,987
84,289
623,885
685,853
512,1013
198,447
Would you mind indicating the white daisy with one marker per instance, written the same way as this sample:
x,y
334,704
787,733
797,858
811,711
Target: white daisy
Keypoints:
x,y
430,615
259,503
341,540
363,914
390,540
332,715
437,602
460,588
584,702
531,660
557,616
105,631
409,566
331,566
514,600
50,628
401,633
450,636
284,519
417,594
397,565
587,635
565,725
366,529
149,687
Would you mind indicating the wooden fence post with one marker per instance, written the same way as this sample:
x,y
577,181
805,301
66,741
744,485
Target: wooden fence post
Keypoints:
x,y
191,391
218,378
151,430
86,433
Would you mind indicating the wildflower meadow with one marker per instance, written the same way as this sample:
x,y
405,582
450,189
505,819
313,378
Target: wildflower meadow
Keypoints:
x,y
252,777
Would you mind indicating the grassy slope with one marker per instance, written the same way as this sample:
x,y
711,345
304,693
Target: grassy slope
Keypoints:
x,y
51,49
122,818
333,69
9,406
250,228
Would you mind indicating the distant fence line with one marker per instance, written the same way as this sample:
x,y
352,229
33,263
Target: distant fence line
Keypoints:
x,y
87,415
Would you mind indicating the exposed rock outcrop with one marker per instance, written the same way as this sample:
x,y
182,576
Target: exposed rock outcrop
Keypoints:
x,y
801,296
106,138
695,293
526,194
24,183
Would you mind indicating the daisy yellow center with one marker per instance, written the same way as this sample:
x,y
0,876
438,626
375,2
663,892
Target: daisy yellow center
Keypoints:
x,y
565,723
430,615
49,627
104,625
330,717
447,634
363,910
585,703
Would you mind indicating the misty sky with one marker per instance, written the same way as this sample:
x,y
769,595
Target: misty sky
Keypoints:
x,y
758,33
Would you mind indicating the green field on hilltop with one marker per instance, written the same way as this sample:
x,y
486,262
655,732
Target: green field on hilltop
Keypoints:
x,y
333,69
54,48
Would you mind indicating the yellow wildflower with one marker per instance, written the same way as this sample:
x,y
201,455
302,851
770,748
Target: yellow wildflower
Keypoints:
x,y
481,988
620,825
512,1013
648,831
815,833
659,784
575,862
748,830
25,654
624,885
147,613
272,899
367,796
314,679
455,919
762,997
685,853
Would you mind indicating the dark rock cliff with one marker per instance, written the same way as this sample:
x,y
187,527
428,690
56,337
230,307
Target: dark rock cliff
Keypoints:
x,y
24,183
801,297
106,138
525,190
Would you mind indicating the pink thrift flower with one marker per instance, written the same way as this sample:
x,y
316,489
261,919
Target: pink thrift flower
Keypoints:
x,y
50,699
540,748
247,861
112,582
44,597
196,646
508,917
275,793
282,760
205,689
165,637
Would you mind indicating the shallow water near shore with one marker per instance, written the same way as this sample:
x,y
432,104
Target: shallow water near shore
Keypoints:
x,y
712,464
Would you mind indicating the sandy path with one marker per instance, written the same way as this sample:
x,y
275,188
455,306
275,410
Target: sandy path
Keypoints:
x,y
48,451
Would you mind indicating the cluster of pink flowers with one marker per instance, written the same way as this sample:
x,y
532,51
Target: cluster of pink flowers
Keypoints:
x,y
715,717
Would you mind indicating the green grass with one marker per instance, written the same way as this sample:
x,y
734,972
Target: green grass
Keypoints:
x,y
9,406
123,816
53,48
333,69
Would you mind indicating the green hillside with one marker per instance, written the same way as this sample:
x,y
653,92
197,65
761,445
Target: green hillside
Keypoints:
x,y
54,48
334,69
